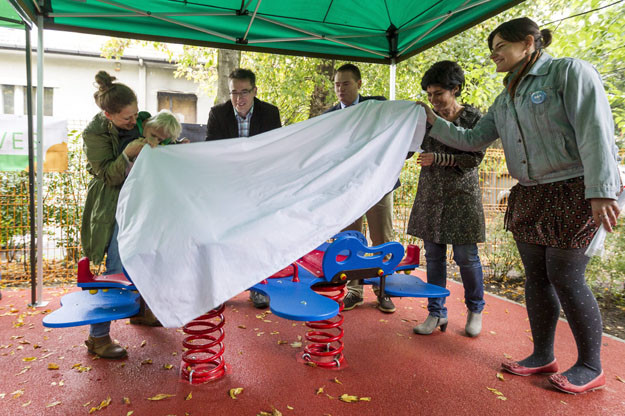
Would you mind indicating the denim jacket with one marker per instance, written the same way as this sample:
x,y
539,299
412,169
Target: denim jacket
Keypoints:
x,y
559,126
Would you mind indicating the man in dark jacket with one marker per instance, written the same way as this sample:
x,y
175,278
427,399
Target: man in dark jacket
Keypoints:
x,y
243,116
347,82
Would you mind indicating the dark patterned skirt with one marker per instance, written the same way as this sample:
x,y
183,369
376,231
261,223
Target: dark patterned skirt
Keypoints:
x,y
553,214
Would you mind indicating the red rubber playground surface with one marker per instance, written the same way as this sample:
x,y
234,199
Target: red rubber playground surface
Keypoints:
x,y
49,372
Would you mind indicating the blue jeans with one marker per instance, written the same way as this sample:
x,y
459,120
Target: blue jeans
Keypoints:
x,y
467,259
113,266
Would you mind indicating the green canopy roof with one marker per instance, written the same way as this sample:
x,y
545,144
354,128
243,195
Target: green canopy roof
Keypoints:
x,y
366,30
8,16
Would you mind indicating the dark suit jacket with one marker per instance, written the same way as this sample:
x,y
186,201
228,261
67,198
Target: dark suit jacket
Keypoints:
x,y
361,99
222,124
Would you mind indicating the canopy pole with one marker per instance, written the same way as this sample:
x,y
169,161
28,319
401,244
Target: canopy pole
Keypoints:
x,y
392,78
40,302
31,167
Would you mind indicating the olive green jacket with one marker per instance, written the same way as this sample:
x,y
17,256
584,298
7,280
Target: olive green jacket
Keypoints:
x,y
107,165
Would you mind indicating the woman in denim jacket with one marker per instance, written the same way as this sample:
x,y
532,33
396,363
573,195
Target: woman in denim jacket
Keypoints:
x,y
556,127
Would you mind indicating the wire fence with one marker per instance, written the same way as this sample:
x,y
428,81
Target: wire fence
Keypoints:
x,y
64,195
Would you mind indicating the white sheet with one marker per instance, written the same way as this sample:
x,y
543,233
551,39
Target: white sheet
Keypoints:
x,y
199,223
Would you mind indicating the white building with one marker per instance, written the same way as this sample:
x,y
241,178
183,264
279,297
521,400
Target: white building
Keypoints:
x,y
71,62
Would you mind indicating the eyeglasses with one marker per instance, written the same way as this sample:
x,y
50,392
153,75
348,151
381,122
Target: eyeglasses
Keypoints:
x,y
242,93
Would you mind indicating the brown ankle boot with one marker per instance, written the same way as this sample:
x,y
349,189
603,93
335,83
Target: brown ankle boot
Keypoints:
x,y
104,347
145,316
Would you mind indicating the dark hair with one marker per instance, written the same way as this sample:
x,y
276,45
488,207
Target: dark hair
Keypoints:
x,y
111,96
516,30
243,74
350,68
447,74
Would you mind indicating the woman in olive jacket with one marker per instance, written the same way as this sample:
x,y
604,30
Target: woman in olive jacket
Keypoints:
x,y
111,143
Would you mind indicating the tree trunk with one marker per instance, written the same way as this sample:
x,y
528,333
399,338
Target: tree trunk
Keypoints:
x,y
322,95
227,61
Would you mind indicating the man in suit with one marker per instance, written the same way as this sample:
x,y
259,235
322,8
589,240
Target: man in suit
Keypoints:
x,y
243,116
347,82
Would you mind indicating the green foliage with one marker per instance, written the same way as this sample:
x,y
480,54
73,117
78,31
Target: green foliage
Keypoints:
x,y
14,225
502,257
64,199
606,274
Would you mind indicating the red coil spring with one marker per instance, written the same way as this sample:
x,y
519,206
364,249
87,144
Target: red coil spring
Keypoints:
x,y
203,361
325,348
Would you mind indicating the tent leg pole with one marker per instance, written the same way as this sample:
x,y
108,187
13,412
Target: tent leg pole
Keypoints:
x,y
31,169
392,79
40,302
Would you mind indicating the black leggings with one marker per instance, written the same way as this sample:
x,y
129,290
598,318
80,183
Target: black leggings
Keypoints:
x,y
555,277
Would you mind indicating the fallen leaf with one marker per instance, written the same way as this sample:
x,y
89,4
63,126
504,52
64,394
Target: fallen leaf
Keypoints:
x,y
500,377
126,400
337,381
27,359
17,394
233,393
493,332
53,404
242,326
289,407
130,413
365,399
319,390
168,366
296,344
146,361
53,366
25,369
282,342
347,398
311,364
189,396
143,343
160,396
620,379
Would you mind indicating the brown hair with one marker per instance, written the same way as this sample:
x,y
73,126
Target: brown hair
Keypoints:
x,y
111,96
516,30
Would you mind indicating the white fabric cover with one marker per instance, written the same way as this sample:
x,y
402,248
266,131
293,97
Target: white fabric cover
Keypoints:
x,y
199,223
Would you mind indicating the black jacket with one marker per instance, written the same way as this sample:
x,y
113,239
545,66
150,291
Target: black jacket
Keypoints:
x,y
222,124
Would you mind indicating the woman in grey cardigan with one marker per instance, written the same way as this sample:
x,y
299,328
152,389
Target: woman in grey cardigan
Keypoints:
x,y
448,205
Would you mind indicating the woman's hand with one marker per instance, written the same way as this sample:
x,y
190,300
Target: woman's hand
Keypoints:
x,y
134,148
431,117
605,211
425,159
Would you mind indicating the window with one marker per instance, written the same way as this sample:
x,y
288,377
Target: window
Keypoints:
x,y
48,100
184,105
8,99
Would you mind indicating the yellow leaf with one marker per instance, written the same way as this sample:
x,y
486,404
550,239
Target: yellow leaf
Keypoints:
x,y
53,404
296,344
161,396
289,407
143,343
495,391
337,381
365,399
319,390
620,379
347,398
500,377
53,366
282,342
504,398
126,400
17,393
168,366
260,333
146,361
27,403
311,364
27,359
130,413
233,393
189,396
242,326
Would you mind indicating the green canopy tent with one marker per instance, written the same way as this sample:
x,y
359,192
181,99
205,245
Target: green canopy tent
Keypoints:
x,y
377,31
380,31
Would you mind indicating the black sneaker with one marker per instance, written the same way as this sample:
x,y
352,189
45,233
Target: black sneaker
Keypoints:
x,y
351,301
259,300
385,304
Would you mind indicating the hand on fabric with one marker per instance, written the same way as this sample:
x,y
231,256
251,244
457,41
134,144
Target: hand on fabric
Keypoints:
x,y
605,211
134,148
431,117
425,159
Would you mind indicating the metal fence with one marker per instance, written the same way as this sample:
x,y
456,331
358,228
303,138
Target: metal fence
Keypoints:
x,y
64,196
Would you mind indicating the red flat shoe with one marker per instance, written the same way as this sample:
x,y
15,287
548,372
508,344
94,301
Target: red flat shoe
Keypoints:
x,y
515,368
561,383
